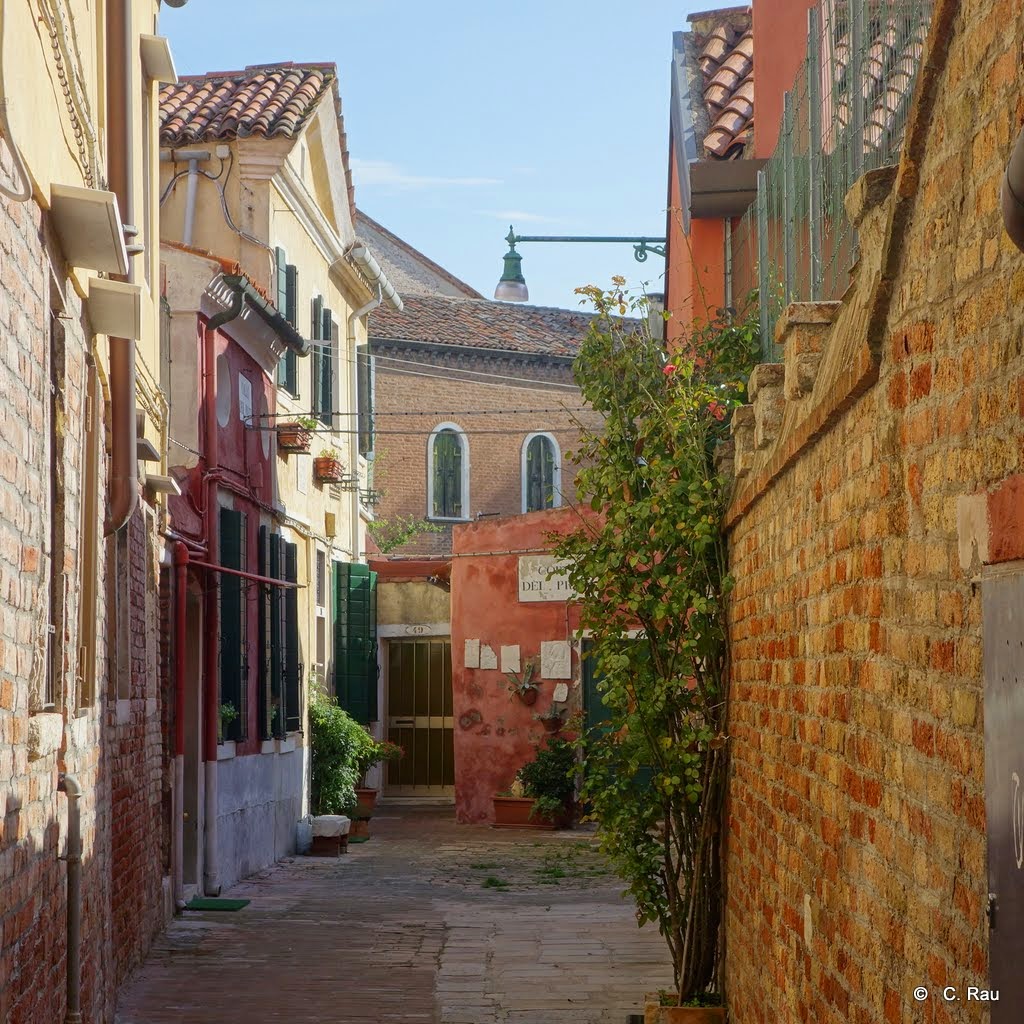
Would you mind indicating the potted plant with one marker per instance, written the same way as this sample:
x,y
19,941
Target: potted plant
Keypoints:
x,y
327,467
370,754
705,1008
337,745
541,795
523,687
552,719
228,713
296,435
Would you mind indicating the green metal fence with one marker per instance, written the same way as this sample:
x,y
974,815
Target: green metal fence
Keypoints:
x,y
845,115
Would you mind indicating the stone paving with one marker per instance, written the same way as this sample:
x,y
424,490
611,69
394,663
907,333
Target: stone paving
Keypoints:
x,y
428,922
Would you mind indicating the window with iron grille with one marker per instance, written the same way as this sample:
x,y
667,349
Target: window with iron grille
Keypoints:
x,y
287,293
447,480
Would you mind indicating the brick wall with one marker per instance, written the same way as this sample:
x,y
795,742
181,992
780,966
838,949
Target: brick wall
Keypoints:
x,y
856,846
111,754
482,407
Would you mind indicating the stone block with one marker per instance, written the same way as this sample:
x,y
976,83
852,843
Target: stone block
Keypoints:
x,y
742,428
44,734
765,392
802,333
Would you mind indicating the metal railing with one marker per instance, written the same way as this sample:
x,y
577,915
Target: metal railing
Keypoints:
x,y
845,115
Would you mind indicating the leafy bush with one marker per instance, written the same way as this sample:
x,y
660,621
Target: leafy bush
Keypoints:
x,y
339,745
548,777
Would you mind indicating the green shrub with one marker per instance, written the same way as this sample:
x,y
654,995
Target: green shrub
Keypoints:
x,y
339,745
548,777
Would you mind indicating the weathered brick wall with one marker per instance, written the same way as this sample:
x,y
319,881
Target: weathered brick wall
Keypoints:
x,y
109,755
482,407
856,847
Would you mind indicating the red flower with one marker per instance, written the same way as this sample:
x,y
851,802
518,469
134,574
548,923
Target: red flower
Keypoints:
x,y
669,369
716,410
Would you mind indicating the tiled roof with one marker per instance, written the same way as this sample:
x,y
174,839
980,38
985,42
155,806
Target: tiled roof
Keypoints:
x,y
268,100
482,324
407,268
725,57
228,266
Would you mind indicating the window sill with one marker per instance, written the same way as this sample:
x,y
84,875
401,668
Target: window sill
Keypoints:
x,y
448,519
226,750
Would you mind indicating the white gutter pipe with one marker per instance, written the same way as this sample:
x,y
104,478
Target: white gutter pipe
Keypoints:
x,y
363,259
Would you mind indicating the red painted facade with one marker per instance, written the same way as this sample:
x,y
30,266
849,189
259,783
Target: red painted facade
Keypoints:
x,y
495,733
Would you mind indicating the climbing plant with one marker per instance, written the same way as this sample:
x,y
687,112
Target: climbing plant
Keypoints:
x,y
650,564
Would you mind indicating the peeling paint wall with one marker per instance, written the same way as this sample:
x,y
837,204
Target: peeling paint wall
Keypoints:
x,y
495,733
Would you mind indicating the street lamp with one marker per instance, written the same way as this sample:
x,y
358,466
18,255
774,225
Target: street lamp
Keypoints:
x,y
512,286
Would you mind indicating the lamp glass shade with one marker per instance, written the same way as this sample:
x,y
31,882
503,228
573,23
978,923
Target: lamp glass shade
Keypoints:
x,y
512,291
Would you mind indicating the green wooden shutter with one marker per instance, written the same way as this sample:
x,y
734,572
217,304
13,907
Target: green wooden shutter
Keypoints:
x,y
290,641
327,369
355,640
281,301
364,390
316,325
267,648
278,709
233,674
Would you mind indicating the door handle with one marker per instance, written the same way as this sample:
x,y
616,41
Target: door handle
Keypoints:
x,y
397,723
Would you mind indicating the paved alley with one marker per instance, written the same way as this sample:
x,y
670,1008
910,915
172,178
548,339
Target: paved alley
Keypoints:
x,y
428,922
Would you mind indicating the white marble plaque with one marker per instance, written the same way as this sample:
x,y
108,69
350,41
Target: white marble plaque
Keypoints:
x,y
488,659
534,581
555,659
510,658
471,658
561,694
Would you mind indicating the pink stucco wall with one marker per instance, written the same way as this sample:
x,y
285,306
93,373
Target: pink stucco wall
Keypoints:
x,y
495,733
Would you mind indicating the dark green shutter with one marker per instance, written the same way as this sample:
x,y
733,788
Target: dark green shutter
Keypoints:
x,y
355,640
281,301
287,297
292,666
316,325
364,391
278,709
267,649
233,673
327,369
447,475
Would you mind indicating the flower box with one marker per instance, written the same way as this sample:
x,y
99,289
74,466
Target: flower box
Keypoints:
x,y
516,811
328,470
294,437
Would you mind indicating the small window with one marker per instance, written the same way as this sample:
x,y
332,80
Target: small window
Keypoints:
x,y
542,473
448,474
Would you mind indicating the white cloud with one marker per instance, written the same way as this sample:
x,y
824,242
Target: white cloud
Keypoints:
x,y
369,173
522,216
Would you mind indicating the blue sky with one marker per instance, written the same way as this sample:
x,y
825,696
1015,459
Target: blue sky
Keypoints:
x,y
464,116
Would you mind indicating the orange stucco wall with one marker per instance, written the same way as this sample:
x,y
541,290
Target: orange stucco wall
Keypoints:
x,y
780,42
695,271
495,733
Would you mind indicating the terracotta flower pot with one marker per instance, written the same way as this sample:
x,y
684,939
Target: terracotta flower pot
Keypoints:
x,y
657,1014
327,470
528,696
515,811
551,725
366,801
293,437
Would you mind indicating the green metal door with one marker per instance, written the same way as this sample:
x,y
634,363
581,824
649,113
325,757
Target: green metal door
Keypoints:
x,y
420,717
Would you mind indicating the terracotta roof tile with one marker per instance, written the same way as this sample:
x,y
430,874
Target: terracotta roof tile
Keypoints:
x,y
268,100
480,323
726,60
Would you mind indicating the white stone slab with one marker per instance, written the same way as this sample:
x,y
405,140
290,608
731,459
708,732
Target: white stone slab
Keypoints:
x,y
555,659
471,658
542,578
561,694
510,661
488,659
331,825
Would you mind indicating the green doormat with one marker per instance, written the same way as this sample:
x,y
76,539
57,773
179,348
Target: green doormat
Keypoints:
x,y
215,903
358,839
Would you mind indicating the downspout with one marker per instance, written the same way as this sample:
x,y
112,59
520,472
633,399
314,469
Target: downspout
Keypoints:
x,y
190,200
69,784
211,710
180,589
1012,199
353,318
123,487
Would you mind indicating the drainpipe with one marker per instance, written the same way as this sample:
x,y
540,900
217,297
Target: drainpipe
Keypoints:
x,y
180,590
123,487
353,318
1013,194
211,709
69,784
190,200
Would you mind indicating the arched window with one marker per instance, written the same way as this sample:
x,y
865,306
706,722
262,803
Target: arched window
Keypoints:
x,y
447,473
542,473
